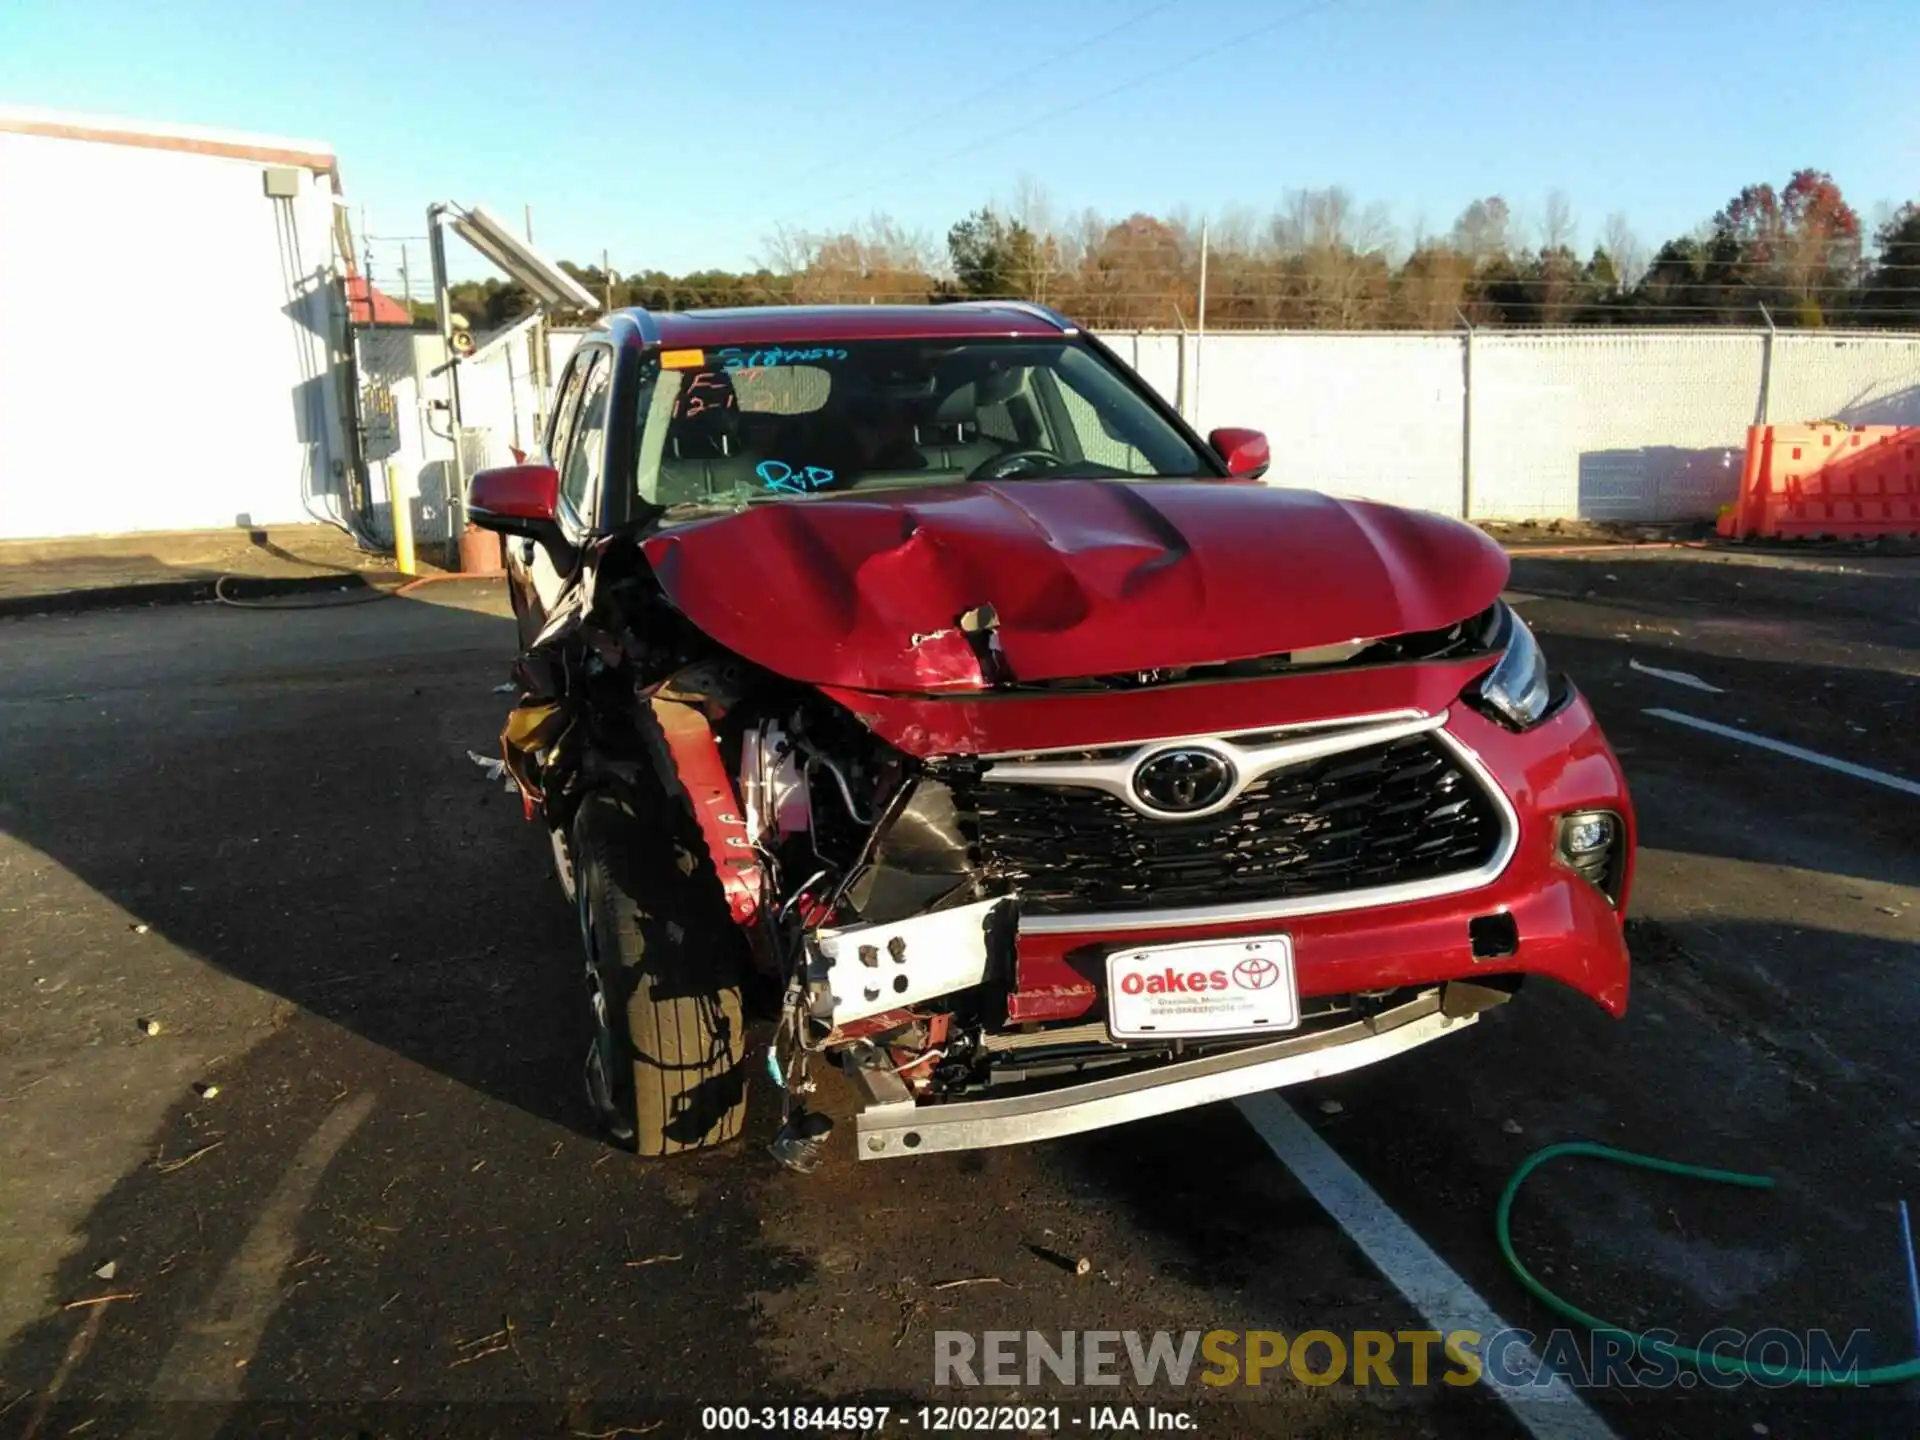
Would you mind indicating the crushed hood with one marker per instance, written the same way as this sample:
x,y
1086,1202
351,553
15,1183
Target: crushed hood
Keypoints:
x,y
1085,577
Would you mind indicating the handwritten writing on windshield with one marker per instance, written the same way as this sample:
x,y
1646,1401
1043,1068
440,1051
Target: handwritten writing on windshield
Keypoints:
x,y
784,479
705,391
736,358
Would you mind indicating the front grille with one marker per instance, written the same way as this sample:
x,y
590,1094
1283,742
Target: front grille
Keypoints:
x,y
1389,814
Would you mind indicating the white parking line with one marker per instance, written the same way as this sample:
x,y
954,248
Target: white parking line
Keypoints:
x,y
1780,747
1678,677
1548,1408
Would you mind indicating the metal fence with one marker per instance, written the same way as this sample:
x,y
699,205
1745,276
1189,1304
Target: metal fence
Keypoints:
x,y
1590,424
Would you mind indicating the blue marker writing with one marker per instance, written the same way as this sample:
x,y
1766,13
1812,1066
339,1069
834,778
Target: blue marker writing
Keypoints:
x,y
735,358
781,477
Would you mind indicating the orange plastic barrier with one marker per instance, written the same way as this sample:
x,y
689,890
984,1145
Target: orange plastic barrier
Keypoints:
x,y
1813,481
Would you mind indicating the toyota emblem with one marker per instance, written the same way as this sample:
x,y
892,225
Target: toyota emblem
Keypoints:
x,y
1255,973
1180,782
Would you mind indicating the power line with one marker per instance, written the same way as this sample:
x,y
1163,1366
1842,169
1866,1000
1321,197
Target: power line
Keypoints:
x,y
1045,63
1144,78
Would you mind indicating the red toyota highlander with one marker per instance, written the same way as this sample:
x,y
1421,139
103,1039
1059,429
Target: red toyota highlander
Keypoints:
x,y
918,672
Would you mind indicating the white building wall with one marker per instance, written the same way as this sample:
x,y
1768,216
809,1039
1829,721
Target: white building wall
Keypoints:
x,y
405,409
163,351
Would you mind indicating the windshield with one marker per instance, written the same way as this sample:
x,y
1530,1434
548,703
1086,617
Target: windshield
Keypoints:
x,y
733,426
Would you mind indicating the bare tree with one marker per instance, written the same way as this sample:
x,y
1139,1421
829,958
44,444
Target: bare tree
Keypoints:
x,y
1234,231
878,259
1624,249
1558,226
1240,284
1334,258
889,245
1032,206
1329,219
1039,260
1482,232
787,251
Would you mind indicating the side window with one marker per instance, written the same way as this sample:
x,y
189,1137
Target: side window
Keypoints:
x,y
996,423
1096,442
560,425
580,481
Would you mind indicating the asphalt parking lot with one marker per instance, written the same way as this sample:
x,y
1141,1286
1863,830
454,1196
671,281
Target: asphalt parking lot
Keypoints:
x,y
347,1186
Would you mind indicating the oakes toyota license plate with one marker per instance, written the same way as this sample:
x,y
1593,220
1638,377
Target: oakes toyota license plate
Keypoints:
x,y
1215,987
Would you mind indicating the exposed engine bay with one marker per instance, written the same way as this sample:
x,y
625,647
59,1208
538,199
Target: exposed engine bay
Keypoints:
x,y
854,869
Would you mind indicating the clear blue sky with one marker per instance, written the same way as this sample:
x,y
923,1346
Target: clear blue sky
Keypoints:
x,y
679,135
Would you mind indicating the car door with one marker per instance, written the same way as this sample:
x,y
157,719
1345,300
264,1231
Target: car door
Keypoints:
x,y
577,449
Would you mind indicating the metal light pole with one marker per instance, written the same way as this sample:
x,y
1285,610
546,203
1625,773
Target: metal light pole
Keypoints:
x,y
1766,368
443,315
1200,323
1466,418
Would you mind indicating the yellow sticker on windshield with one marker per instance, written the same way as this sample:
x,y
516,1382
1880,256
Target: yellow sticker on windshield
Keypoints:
x,y
682,359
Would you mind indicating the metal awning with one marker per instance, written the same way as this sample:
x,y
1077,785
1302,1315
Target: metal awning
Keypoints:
x,y
546,281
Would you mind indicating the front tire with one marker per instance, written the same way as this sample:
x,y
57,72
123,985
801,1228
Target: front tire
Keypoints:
x,y
667,1068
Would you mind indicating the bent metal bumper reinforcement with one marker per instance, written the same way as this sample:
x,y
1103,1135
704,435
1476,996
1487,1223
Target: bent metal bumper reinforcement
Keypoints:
x,y
892,1124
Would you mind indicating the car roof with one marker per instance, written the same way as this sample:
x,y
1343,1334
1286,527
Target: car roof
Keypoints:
x,y
798,324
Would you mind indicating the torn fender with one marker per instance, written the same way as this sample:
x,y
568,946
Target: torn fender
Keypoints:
x,y
533,727
717,811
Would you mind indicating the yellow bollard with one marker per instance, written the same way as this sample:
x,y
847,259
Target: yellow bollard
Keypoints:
x,y
401,506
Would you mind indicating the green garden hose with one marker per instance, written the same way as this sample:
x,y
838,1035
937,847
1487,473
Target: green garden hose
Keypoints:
x,y
1644,1344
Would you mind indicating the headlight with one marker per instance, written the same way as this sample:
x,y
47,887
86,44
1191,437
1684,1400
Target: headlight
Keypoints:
x,y
1517,689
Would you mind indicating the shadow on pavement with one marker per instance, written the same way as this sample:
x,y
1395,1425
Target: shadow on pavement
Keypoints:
x,y
304,816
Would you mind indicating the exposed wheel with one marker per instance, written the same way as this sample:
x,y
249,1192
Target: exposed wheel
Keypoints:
x,y
667,1067
563,866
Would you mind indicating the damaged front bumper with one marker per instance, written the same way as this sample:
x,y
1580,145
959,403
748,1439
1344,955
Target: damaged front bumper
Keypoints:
x,y
892,1123
865,970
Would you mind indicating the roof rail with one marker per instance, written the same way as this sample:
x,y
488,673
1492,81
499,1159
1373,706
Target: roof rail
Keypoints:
x,y
1043,312
645,326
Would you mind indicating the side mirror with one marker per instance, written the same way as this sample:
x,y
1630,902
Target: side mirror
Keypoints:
x,y
1245,452
520,500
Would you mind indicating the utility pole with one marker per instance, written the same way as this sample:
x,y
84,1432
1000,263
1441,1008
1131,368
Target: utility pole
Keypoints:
x,y
366,268
443,314
406,282
606,276
1466,416
1766,369
537,345
1200,324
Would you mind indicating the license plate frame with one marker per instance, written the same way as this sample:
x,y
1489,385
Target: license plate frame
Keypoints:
x,y
1205,988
